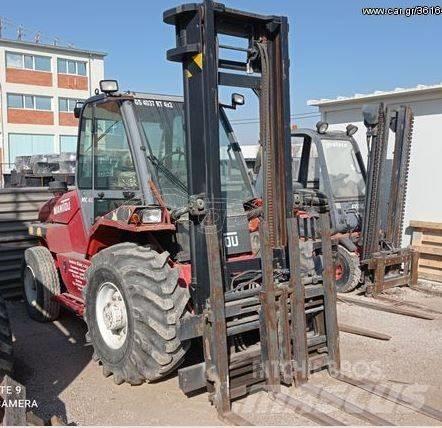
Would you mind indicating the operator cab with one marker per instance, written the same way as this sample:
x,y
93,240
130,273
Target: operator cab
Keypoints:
x,y
132,151
330,162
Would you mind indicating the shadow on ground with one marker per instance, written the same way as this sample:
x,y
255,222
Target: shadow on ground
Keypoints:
x,y
59,354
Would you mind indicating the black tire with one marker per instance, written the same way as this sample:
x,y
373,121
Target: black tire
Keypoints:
x,y
39,264
6,350
349,275
154,304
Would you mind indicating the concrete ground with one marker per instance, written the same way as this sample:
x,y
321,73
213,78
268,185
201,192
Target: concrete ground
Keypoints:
x,y
54,363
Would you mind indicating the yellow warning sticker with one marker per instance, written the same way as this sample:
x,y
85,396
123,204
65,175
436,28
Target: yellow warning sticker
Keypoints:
x,y
194,65
198,60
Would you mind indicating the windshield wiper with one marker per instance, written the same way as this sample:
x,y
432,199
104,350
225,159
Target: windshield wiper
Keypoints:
x,y
106,131
169,175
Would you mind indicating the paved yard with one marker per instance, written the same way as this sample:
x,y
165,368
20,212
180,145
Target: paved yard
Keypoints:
x,y
54,362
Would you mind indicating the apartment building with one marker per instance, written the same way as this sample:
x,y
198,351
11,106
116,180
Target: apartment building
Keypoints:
x,y
39,86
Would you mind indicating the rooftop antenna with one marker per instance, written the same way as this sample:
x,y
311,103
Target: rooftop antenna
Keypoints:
x,y
20,32
1,27
37,37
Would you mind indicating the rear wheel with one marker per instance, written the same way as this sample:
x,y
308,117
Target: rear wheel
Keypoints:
x,y
40,284
347,270
133,305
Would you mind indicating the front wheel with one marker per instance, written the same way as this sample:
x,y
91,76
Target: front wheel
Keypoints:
x,y
133,303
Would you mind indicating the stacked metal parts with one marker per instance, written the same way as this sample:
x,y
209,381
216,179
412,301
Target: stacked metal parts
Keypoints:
x,y
39,170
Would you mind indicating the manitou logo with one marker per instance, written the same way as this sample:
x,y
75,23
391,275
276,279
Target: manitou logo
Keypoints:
x,y
63,206
231,239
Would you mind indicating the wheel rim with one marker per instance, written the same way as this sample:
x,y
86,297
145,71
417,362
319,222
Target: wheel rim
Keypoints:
x,y
339,271
30,286
342,271
111,315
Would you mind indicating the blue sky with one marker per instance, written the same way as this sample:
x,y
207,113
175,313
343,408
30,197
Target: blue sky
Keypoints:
x,y
334,50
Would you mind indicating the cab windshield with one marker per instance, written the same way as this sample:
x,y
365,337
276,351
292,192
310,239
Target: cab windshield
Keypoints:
x,y
346,177
163,125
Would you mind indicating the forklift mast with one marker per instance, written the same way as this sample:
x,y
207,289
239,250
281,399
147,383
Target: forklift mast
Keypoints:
x,y
277,304
386,263
266,72
379,120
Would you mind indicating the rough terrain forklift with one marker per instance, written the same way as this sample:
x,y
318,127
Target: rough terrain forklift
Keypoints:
x,y
163,241
330,162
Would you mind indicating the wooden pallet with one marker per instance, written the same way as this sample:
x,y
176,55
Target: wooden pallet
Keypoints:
x,y
427,240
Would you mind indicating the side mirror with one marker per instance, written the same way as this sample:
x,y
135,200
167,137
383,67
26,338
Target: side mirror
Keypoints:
x,y
351,130
77,109
237,100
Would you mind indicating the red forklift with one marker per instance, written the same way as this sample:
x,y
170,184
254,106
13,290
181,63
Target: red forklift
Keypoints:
x,y
163,243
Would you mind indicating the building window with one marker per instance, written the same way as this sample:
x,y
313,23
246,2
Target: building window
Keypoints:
x,y
67,105
29,62
68,143
67,66
15,101
29,144
30,102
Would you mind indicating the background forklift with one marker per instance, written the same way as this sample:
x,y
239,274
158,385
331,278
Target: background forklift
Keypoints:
x,y
330,162
366,216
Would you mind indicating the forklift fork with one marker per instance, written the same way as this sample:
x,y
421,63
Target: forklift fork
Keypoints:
x,y
284,356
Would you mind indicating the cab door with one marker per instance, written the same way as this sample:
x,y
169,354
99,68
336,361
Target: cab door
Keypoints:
x,y
107,176
306,167
85,164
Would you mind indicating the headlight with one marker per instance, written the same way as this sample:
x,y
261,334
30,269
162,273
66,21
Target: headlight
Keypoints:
x,y
254,240
151,215
108,86
321,127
